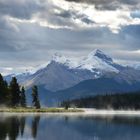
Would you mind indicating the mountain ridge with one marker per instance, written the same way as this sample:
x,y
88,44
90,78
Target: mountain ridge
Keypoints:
x,y
62,73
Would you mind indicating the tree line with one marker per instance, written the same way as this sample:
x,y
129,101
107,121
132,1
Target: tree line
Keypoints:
x,y
13,95
108,101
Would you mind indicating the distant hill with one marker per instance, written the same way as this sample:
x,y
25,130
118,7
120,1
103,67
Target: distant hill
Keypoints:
x,y
87,88
97,87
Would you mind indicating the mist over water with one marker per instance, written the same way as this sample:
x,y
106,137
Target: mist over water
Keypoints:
x,y
68,127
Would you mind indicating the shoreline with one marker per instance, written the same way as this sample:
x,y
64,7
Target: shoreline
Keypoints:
x,y
72,112
41,110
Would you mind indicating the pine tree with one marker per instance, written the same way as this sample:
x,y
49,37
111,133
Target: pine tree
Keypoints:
x,y
22,97
14,92
3,90
7,97
35,101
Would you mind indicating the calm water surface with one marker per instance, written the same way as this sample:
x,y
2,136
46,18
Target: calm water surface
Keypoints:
x,y
60,127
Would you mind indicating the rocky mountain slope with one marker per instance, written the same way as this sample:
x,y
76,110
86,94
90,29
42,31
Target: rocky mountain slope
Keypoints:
x,y
64,79
62,73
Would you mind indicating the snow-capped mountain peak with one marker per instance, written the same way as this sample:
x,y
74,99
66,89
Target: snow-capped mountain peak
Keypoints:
x,y
97,60
57,57
98,53
95,65
61,59
95,51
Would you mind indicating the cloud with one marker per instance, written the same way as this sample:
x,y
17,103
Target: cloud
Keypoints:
x,y
22,9
62,14
110,4
31,31
76,15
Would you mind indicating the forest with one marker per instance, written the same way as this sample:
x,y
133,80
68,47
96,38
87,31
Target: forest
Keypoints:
x,y
108,101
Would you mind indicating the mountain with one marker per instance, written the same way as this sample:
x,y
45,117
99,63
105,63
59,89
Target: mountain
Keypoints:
x,y
98,60
100,86
21,77
63,79
57,76
92,87
62,73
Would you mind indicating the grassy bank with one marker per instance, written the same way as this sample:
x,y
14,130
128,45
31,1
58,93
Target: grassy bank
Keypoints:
x,y
41,110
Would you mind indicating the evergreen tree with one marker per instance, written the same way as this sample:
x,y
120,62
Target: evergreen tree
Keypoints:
x,y
7,97
35,101
3,90
23,98
14,92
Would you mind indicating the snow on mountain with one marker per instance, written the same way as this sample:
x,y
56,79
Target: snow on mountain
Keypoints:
x,y
101,55
59,58
61,73
98,60
20,76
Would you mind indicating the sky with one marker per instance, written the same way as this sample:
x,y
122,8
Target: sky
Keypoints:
x,y
31,31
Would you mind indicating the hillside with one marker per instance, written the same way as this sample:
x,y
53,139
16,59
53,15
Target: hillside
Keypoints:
x,y
100,86
116,101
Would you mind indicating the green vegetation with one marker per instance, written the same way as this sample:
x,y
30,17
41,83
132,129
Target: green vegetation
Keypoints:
x,y
13,96
14,91
109,101
41,110
23,97
35,101
4,91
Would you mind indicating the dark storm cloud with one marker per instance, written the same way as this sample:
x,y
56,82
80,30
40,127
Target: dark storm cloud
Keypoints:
x,y
73,15
109,4
87,21
65,14
103,2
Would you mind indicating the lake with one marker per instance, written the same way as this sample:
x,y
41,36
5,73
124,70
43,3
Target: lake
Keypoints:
x,y
68,127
